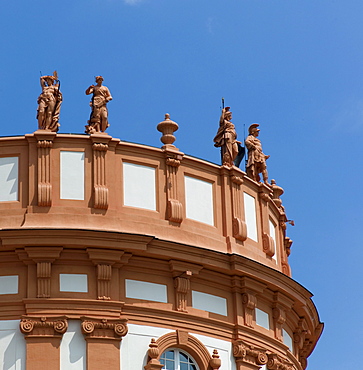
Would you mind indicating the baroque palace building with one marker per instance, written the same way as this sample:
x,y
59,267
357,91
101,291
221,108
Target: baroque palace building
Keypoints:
x,y
117,255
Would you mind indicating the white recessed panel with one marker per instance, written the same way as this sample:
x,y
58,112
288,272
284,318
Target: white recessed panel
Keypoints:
x,y
273,236
209,302
73,283
9,284
72,175
199,200
139,186
287,339
12,346
73,348
9,179
250,216
262,319
144,290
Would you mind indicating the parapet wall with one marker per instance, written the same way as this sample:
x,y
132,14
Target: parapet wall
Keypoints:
x,y
96,182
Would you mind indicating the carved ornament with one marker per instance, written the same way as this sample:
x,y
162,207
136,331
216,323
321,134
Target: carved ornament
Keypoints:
x,y
43,326
268,244
175,211
239,229
104,328
44,143
249,354
101,147
167,128
276,362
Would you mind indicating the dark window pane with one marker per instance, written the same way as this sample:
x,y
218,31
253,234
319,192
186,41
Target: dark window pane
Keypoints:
x,y
183,357
169,355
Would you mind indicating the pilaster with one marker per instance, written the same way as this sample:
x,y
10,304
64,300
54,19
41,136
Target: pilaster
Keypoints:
x,y
43,336
100,146
44,145
103,337
239,226
267,241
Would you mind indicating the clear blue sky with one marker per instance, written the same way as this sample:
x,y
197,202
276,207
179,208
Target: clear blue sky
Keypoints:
x,y
294,66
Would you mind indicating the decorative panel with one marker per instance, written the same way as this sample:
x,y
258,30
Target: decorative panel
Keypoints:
x,y
144,290
250,216
9,179
209,302
73,283
139,186
199,200
72,175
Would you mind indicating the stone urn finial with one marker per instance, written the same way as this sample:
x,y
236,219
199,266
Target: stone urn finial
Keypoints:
x,y
167,128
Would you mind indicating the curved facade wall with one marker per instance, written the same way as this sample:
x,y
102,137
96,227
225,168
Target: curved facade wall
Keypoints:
x,y
112,253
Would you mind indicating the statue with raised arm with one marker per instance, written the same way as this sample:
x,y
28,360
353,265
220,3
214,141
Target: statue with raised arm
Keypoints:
x,y
49,103
226,138
98,121
256,163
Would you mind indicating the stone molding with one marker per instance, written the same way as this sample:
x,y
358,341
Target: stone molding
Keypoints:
x,y
43,326
95,328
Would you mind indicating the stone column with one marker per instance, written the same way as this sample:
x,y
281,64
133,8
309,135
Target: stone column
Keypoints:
x,y
43,336
44,144
103,337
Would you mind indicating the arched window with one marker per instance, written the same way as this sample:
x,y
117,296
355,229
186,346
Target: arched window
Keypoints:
x,y
175,359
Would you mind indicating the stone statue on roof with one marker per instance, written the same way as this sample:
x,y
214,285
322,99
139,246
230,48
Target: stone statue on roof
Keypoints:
x,y
98,121
256,163
49,103
226,139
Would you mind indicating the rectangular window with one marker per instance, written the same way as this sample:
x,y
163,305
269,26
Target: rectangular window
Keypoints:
x,y
73,283
209,302
199,200
250,216
144,290
139,186
262,319
9,174
72,175
287,339
273,236
9,284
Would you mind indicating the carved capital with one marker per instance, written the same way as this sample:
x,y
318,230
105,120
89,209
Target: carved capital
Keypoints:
x,y
173,162
101,147
275,362
44,143
94,328
249,354
43,326
237,180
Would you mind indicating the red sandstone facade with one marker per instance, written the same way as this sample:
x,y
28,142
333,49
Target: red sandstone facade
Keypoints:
x,y
219,277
